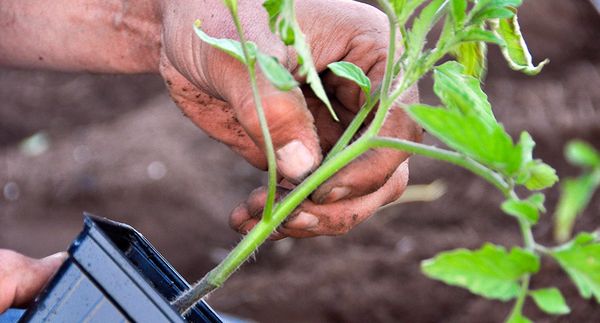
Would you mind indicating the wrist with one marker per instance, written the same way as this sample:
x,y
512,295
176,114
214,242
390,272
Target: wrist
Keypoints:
x,y
133,38
103,36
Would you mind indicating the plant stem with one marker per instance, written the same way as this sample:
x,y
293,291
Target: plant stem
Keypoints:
x,y
530,245
215,278
518,308
264,127
354,126
528,240
444,155
389,63
385,103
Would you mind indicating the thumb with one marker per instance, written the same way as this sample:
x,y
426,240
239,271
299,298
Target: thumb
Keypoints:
x,y
23,277
290,123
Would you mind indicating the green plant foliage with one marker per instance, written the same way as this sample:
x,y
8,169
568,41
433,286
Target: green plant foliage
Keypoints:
x,y
491,271
534,173
229,46
468,134
460,92
278,75
405,8
421,27
550,300
471,52
518,318
527,209
458,10
515,51
467,124
282,20
581,260
576,193
479,34
540,175
492,9
472,55
582,154
353,73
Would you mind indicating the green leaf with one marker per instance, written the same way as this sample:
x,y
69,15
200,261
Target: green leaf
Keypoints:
x,y
421,27
399,6
534,174
472,55
470,135
471,50
353,73
581,260
582,154
526,145
282,20
515,51
491,9
527,209
229,46
492,13
458,12
521,209
540,175
462,92
278,75
574,197
404,9
518,318
537,200
491,271
478,34
550,300
279,20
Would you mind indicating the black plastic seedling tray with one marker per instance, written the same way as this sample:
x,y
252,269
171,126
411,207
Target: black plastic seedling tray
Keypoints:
x,y
113,274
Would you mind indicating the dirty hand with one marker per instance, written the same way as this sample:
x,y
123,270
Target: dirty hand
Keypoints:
x,y
22,278
301,127
136,36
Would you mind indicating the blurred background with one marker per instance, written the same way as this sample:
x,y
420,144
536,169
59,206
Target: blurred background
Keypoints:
x,y
116,146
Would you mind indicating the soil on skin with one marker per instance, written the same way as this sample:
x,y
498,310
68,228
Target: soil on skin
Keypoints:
x,y
118,147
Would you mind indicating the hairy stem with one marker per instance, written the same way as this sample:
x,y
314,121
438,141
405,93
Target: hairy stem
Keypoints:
x,y
215,278
385,103
353,127
530,245
264,127
518,308
444,155
389,63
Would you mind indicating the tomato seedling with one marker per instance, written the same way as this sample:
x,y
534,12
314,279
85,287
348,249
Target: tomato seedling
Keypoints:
x,y
464,122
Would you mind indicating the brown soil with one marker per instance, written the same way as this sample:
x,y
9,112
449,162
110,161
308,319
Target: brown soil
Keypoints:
x,y
105,131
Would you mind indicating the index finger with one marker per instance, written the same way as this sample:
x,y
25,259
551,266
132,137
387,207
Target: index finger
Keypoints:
x,y
371,170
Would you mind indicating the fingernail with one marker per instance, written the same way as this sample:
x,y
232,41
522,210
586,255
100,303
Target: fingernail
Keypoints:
x,y
336,194
277,236
63,255
303,220
295,160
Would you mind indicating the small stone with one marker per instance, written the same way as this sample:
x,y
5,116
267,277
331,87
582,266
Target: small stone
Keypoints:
x,y
11,191
156,170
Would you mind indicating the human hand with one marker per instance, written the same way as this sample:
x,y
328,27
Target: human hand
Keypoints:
x,y
22,278
301,127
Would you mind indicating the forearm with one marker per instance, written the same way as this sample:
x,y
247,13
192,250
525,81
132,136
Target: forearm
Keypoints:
x,y
112,36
